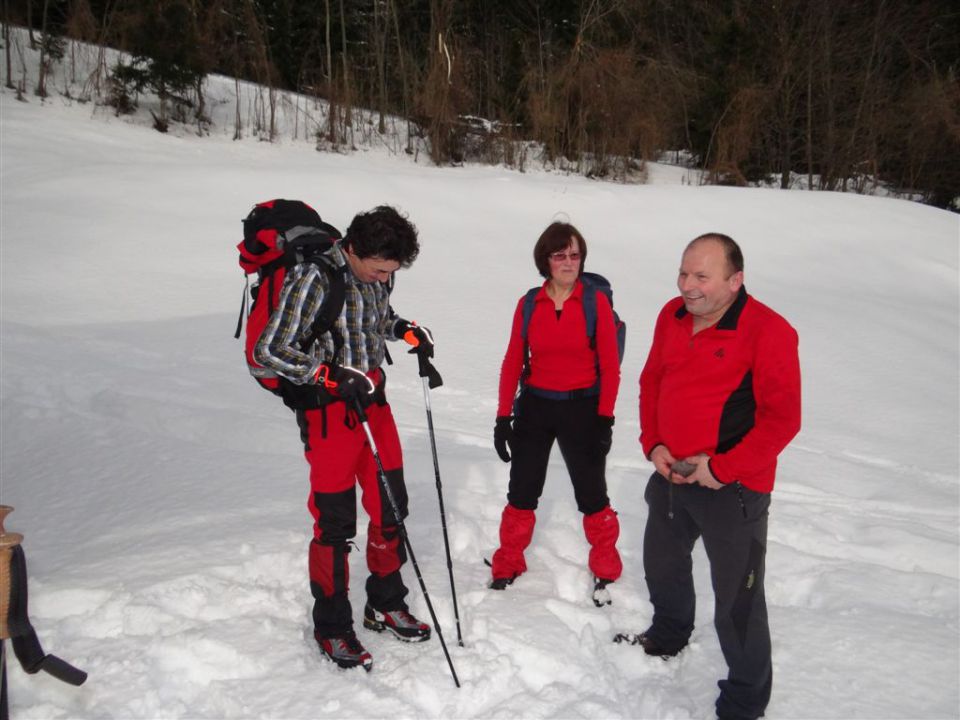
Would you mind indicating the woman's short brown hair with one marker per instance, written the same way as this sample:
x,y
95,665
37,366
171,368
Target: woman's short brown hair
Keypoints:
x,y
555,238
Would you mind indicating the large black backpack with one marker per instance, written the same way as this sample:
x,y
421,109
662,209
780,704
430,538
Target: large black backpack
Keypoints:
x,y
277,235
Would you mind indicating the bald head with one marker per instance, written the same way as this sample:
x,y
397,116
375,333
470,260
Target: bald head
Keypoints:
x,y
731,250
709,280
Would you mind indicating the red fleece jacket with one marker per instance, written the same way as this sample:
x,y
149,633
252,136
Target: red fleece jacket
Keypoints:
x,y
561,358
731,391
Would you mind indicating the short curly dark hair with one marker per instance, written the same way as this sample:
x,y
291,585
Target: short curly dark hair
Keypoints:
x,y
554,239
383,232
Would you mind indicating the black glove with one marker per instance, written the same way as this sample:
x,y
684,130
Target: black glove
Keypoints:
x,y
605,433
347,383
503,437
419,337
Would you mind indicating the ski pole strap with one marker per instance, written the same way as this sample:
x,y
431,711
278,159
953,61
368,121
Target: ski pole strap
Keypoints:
x,y
592,391
4,709
243,306
26,645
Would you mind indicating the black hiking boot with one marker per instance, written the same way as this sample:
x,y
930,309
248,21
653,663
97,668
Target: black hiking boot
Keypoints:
x,y
601,596
501,583
401,623
649,645
345,650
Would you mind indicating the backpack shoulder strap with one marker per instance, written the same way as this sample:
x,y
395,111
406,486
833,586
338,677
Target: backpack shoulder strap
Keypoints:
x,y
391,281
529,300
326,318
590,309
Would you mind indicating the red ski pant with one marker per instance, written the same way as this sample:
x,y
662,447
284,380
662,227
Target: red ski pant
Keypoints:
x,y
572,424
340,459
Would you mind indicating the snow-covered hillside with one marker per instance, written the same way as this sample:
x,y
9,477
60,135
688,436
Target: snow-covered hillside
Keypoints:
x,y
162,494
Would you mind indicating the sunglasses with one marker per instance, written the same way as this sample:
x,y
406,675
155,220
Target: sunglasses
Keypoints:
x,y
559,257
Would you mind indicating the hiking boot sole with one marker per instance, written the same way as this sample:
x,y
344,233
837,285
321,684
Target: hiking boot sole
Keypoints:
x,y
378,626
648,646
348,664
344,663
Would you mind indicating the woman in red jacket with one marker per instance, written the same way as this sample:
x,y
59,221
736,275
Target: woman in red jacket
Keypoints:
x,y
568,389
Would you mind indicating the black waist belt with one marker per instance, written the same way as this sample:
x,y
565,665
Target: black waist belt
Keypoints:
x,y
592,391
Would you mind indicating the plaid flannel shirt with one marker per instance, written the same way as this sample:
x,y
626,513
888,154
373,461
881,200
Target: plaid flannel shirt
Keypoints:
x,y
365,322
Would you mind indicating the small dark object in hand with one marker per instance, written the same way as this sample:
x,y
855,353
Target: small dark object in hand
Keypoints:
x,y
682,467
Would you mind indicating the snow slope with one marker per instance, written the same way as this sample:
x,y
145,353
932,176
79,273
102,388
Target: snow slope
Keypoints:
x,y
162,494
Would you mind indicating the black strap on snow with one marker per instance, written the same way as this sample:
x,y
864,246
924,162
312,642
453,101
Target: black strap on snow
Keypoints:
x,y
4,710
26,645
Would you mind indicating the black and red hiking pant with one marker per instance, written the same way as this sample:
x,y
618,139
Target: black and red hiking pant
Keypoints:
x,y
340,458
733,524
573,425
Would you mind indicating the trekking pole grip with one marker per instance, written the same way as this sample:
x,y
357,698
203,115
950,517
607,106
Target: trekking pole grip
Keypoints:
x,y
427,370
359,410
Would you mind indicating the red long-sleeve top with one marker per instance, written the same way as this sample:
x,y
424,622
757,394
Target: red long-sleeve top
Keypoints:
x,y
731,391
561,358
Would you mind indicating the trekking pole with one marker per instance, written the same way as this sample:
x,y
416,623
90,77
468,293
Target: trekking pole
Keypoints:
x,y
431,379
362,418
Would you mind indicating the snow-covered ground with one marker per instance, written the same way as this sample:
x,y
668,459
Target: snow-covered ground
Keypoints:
x,y
162,494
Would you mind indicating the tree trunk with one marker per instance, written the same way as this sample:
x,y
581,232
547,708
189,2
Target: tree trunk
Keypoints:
x,y
200,105
850,154
346,106
380,50
810,124
6,43
41,90
237,134
331,91
103,33
33,40
405,103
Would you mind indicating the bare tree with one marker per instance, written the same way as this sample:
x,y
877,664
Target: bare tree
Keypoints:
x,y
380,32
347,102
33,40
81,25
847,94
405,103
437,97
6,43
41,89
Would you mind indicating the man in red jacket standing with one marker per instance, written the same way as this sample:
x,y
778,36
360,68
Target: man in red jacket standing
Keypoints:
x,y
719,400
